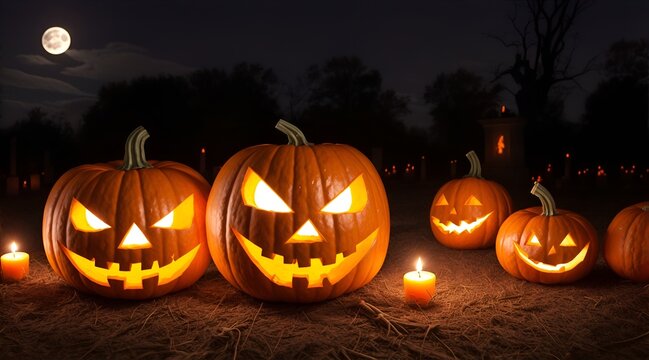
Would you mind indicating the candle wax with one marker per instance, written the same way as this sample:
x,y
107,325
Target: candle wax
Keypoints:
x,y
15,266
419,287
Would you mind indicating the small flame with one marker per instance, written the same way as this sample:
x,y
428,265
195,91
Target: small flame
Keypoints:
x,y
503,109
13,247
567,155
420,265
202,150
501,144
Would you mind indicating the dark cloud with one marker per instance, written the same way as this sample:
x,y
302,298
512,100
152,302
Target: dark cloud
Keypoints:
x,y
34,60
119,61
20,79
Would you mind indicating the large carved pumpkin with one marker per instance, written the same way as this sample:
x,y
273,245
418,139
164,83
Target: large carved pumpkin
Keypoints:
x,y
131,229
466,213
626,246
298,222
545,244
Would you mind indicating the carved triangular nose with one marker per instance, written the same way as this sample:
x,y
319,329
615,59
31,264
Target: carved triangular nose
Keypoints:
x,y
307,233
552,251
453,212
134,239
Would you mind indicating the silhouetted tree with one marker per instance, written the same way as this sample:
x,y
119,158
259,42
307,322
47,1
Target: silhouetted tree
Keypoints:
x,y
42,141
458,100
617,111
544,46
347,104
222,111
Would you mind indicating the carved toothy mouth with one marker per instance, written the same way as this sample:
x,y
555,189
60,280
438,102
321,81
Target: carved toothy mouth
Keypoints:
x,y
282,274
547,268
451,227
132,279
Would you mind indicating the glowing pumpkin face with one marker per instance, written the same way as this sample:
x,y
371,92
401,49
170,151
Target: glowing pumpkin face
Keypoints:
x,y
545,244
128,233
466,213
298,223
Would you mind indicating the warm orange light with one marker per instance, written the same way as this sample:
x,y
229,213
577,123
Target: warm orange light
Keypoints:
x,y
132,278
451,227
420,265
179,218
13,248
203,151
503,109
256,193
501,144
282,274
352,199
554,269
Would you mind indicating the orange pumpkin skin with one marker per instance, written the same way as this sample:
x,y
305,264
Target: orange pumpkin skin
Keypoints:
x,y
122,198
306,178
626,244
550,231
450,207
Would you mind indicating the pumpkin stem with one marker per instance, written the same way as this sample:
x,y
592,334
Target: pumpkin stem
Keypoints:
x,y
476,169
549,207
295,135
134,157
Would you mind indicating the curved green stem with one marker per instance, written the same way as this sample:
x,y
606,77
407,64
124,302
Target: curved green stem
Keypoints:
x,y
134,157
476,168
547,201
295,135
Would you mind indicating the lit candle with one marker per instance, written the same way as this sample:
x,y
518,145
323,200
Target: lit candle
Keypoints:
x,y
419,286
15,265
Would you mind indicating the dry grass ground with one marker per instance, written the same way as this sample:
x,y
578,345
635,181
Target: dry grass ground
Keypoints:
x,y
479,310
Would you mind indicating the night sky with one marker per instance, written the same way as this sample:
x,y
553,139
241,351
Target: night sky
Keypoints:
x,y
409,42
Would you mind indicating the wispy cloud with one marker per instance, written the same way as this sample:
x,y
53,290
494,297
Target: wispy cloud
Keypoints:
x,y
119,61
35,60
23,80
70,110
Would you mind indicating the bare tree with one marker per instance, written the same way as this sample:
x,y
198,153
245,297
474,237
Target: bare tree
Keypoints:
x,y
544,43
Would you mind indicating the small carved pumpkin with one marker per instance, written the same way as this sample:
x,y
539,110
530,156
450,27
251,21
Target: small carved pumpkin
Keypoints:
x,y
131,229
626,245
545,244
467,212
298,222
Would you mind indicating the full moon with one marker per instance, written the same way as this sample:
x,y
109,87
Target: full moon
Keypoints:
x,y
56,40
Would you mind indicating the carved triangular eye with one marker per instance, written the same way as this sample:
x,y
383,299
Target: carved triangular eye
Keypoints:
x,y
256,193
534,241
568,241
472,200
352,199
84,220
442,201
179,218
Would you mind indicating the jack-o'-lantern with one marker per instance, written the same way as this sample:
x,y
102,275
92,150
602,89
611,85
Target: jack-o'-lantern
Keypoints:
x,y
545,244
626,246
466,213
298,222
131,229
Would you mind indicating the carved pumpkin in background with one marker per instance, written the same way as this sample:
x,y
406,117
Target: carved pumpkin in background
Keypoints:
x,y
466,213
298,222
545,244
131,229
626,246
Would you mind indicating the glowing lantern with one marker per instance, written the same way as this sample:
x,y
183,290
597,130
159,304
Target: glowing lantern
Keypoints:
x,y
545,244
298,222
467,212
501,144
131,229
626,245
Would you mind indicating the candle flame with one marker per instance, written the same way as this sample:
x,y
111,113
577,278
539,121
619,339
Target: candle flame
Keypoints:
x,y
13,247
202,150
420,266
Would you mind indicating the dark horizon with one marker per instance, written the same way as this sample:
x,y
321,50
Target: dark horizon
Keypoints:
x,y
408,44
